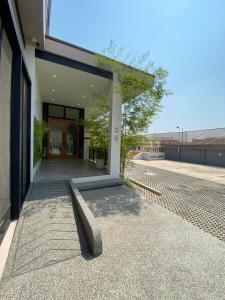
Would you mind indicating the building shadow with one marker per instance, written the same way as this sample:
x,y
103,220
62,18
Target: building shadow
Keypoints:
x,y
118,200
50,232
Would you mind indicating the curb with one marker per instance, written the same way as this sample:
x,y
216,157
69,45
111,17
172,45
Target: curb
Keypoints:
x,y
85,186
89,222
144,186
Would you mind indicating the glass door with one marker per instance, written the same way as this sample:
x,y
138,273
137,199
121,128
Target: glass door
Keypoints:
x,y
63,139
71,143
55,138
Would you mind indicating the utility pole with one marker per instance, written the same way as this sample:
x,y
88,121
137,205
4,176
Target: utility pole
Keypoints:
x,y
182,136
178,148
179,133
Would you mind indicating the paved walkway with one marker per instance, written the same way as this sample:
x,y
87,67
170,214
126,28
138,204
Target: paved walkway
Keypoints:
x,y
210,173
47,231
62,169
198,201
148,253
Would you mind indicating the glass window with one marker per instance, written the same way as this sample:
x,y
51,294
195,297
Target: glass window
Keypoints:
x,y
72,113
5,122
56,111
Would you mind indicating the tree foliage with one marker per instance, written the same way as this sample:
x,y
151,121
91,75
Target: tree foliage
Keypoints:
x,y
40,130
141,86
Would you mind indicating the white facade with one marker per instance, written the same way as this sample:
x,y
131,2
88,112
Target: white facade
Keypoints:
x,y
76,54
68,51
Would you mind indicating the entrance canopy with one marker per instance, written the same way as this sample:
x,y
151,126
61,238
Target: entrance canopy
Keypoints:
x,y
64,94
71,78
59,84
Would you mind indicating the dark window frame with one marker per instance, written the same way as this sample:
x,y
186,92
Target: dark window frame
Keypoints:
x,y
5,221
71,63
18,68
64,110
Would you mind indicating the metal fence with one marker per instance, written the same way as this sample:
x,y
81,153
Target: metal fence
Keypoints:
x,y
214,136
199,146
213,155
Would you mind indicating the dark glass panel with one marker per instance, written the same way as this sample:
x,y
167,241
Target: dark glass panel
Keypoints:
x,y
56,111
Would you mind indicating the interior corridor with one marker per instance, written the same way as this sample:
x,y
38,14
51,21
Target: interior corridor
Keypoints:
x,y
58,169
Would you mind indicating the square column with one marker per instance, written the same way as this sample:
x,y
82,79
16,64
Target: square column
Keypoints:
x,y
115,131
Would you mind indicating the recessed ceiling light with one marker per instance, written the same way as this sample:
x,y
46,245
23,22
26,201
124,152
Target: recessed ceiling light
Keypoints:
x,y
53,90
53,99
91,85
54,76
78,104
84,96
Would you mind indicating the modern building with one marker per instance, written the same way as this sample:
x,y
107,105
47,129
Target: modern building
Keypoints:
x,y
43,78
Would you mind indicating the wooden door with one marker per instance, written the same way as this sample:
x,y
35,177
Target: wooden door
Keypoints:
x,y
63,139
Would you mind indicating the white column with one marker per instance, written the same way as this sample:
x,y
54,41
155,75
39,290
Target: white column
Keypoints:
x,y
29,56
115,131
86,145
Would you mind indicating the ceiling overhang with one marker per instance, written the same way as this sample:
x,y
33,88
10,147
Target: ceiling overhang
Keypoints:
x,y
60,84
34,18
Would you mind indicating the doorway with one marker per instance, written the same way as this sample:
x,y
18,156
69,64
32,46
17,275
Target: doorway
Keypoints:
x,y
63,139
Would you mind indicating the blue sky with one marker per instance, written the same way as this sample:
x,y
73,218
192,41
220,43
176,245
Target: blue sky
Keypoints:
x,y
185,37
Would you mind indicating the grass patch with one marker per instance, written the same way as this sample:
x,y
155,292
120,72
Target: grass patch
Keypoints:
x,y
129,184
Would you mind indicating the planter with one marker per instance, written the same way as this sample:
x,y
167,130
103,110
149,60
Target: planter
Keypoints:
x,y
100,163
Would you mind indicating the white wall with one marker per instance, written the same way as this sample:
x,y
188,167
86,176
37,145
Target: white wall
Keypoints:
x,y
36,104
36,107
28,54
16,22
70,52
115,131
37,99
86,134
37,113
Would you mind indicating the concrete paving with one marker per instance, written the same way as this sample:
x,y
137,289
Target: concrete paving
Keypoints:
x,y
48,231
198,201
5,246
210,173
149,253
60,169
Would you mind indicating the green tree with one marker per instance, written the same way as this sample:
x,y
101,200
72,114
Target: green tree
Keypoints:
x,y
40,130
141,86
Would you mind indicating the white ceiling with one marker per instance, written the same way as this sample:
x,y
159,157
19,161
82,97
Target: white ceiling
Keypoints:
x,y
72,87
